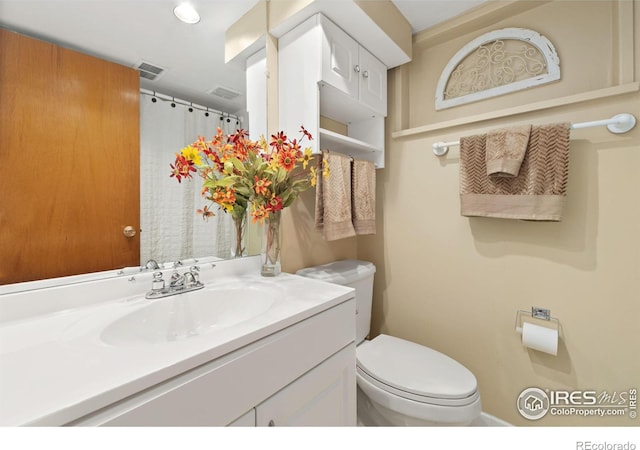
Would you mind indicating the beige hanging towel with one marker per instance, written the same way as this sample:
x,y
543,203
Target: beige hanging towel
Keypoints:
x,y
364,197
539,190
505,150
333,198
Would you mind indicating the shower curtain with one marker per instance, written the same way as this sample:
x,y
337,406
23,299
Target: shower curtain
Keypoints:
x,y
170,228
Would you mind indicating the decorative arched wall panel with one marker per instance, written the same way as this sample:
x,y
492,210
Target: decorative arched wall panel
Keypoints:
x,y
497,63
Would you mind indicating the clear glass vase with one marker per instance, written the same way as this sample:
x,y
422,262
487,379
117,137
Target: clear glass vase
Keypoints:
x,y
238,247
271,245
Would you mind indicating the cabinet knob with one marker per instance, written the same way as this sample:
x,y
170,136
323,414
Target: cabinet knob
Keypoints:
x,y
365,74
129,231
272,423
356,68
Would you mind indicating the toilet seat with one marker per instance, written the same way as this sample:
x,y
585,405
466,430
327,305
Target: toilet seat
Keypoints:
x,y
414,372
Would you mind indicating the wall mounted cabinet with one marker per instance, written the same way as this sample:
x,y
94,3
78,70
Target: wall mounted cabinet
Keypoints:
x,y
349,67
324,72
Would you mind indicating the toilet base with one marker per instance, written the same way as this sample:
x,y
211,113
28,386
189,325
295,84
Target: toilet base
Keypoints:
x,y
372,414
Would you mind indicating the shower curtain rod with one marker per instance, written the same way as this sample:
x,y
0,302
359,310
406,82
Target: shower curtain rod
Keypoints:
x,y
618,124
168,98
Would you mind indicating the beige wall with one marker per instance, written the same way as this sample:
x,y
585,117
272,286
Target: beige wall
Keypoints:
x,y
249,29
455,283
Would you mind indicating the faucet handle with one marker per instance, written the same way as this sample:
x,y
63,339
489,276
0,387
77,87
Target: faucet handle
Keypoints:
x,y
157,284
175,276
195,271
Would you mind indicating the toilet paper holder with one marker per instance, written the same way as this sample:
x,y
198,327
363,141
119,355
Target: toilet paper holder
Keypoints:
x,y
536,313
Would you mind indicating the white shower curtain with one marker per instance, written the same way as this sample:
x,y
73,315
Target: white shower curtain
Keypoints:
x,y
170,228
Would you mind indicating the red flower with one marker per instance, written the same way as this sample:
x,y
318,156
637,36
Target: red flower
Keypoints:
x,y
306,133
278,140
275,203
183,168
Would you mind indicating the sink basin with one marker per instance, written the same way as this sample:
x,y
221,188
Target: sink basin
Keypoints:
x,y
189,315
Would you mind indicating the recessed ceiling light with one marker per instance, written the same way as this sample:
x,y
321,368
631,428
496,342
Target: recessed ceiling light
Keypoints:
x,y
186,13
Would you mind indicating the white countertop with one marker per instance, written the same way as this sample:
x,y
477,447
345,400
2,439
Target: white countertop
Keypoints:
x,y
55,368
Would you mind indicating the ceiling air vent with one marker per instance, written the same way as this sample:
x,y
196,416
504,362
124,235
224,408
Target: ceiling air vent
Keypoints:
x,y
149,71
225,93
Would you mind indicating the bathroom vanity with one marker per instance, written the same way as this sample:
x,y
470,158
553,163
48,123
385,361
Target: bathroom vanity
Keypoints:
x,y
244,350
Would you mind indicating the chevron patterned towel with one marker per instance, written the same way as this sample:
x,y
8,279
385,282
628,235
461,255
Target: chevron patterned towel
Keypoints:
x,y
363,191
537,193
505,150
333,199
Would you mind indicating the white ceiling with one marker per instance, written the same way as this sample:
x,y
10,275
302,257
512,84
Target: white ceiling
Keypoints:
x,y
132,31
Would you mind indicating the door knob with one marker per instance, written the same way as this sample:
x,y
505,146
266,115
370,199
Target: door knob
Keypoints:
x,y
129,231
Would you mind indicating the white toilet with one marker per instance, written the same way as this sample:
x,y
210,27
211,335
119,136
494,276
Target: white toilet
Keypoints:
x,y
400,382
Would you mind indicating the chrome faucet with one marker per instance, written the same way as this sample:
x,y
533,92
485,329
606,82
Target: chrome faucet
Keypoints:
x,y
152,264
179,283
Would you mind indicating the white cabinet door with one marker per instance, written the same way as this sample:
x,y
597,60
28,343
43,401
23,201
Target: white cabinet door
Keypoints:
x,y
373,82
340,59
324,396
350,68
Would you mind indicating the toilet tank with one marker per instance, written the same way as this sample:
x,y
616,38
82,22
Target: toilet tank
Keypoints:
x,y
352,273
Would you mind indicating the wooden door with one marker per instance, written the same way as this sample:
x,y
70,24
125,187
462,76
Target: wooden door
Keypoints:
x,y
69,161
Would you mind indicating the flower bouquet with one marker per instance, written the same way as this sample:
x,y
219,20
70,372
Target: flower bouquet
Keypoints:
x,y
240,173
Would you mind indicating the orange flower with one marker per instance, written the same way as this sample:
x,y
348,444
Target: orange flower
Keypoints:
x,y
200,144
258,213
206,213
295,149
230,195
287,159
261,185
224,197
218,139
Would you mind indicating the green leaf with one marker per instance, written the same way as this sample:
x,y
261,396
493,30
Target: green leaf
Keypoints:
x,y
238,164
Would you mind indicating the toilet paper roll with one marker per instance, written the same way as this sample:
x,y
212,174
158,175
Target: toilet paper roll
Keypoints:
x,y
540,338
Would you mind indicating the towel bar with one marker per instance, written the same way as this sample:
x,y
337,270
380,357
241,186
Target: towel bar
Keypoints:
x,y
618,124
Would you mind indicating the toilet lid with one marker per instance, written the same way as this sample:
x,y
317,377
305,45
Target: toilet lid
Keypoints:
x,y
416,369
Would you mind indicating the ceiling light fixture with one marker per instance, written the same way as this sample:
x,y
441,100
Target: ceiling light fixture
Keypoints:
x,y
186,13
